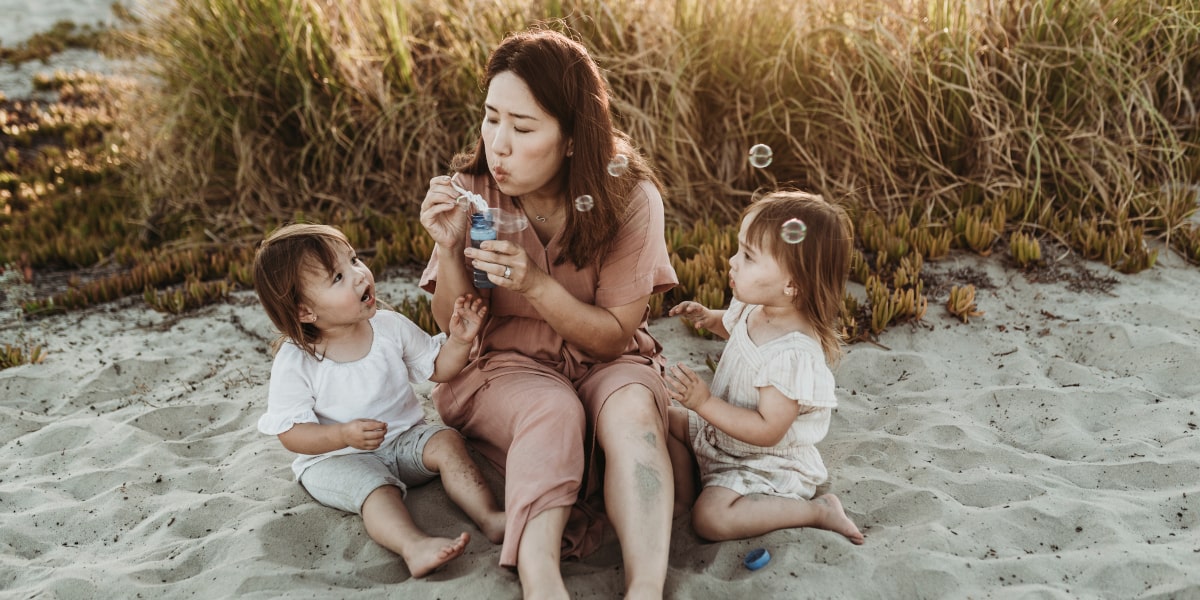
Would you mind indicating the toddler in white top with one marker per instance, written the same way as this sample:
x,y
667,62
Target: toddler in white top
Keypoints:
x,y
753,437
341,394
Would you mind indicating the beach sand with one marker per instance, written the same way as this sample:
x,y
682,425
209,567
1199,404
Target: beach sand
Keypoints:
x,y
1047,449
21,19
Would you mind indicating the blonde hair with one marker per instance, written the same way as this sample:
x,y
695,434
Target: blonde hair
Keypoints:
x,y
819,265
279,266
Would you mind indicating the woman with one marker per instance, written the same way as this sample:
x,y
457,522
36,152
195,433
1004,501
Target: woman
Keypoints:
x,y
566,379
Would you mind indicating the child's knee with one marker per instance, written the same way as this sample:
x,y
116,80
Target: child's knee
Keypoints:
x,y
677,421
444,445
708,521
384,497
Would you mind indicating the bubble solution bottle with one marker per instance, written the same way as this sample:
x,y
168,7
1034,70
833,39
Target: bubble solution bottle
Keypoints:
x,y
482,229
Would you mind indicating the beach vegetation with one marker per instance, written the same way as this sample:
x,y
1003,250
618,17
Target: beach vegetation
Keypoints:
x,y
1025,249
419,310
61,36
21,353
14,288
961,302
942,127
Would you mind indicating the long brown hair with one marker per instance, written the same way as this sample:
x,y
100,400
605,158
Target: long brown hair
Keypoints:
x,y
567,84
279,266
819,265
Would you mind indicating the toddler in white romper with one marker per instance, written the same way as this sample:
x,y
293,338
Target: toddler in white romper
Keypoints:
x,y
795,365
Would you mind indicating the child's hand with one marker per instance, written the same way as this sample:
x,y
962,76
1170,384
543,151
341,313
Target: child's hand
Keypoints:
x,y
363,434
697,313
686,387
467,319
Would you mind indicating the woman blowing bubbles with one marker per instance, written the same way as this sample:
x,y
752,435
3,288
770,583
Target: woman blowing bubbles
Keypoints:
x,y
565,382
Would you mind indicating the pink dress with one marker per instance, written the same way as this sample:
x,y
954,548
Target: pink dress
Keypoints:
x,y
528,400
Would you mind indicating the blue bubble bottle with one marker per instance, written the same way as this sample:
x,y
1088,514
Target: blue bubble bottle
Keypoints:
x,y
482,229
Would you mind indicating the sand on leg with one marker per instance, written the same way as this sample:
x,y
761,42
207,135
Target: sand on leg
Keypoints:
x,y
389,523
723,514
446,454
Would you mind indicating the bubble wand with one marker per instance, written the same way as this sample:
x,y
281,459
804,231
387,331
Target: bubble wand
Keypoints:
x,y
474,199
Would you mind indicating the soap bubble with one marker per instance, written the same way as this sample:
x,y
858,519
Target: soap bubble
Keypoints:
x,y
761,155
793,231
618,165
584,203
508,221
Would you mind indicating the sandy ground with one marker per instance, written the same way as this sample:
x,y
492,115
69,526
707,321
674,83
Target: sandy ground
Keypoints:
x,y
1047,449
20,19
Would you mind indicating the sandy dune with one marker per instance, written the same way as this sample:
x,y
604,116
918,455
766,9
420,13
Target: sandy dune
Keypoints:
x,y
1048,449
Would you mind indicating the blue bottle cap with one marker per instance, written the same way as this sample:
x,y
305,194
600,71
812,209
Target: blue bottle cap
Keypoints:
x,y
757,559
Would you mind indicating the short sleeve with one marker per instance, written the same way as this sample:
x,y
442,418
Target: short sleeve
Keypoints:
x,y
290,398
638,263
733,314
420,350
800,375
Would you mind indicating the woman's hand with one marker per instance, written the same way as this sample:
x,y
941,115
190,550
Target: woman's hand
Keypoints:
x,y
442,215
507,265
467,318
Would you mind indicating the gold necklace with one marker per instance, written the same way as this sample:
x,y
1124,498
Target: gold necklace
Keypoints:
x,y
537,217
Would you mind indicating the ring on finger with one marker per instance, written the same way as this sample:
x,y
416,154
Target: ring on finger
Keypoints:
x,y
508,272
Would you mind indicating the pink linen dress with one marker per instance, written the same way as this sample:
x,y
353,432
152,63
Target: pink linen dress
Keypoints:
x,y
528,400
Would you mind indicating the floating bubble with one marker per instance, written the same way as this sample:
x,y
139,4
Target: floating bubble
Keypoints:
x,y
618,165
793,231
761,155
584,203
510,222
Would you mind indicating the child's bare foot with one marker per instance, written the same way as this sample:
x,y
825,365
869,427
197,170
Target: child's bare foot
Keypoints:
x,y
493,527
425,557
833,517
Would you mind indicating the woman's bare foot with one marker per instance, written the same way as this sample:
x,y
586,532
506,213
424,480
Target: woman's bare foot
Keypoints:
x,y
493,527
833,517
426,556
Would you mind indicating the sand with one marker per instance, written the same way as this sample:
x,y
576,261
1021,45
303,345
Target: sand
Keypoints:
x,y
1047,449
20,19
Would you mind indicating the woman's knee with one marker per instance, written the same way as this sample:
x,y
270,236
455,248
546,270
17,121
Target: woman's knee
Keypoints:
x,y
631,409
550,439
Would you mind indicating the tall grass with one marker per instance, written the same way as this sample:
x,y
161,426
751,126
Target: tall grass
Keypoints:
x,y
270,107
941,124
1073,113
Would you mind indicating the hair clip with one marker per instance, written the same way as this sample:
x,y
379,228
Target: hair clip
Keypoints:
x,y
793,231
